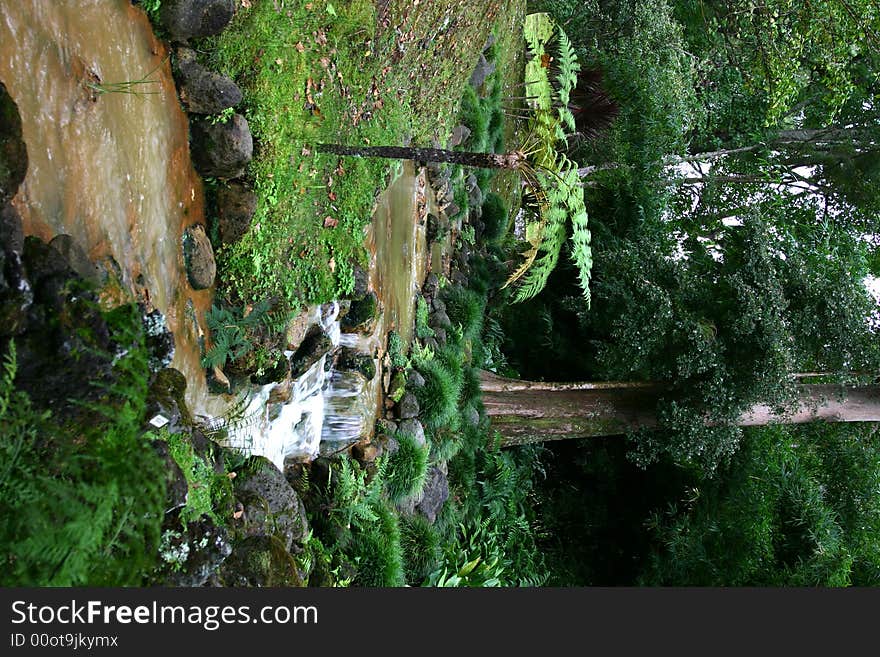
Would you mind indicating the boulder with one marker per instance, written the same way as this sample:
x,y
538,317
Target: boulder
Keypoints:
x,y
201,90
351,359
76,257
434,494
16,295
311,349
260,561
414,379
221,150
459,135
198,257
431,285
185,19
165,397
439,319
13,152
407,407
482,71
361,314
176,487
271,506
236,206
195,557
415,429
11,232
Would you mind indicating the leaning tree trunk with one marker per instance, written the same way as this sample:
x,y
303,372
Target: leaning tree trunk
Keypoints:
x,y
466,158
525,412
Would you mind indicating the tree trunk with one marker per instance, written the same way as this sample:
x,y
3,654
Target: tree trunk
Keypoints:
x,y
534,412
466,158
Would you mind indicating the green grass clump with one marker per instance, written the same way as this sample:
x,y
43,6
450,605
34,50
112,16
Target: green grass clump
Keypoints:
x,y
407,469
466,308
376,551
473,115
495,218
421,324
421,547
438,398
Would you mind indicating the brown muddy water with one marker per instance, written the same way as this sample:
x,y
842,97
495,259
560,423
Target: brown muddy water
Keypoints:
x,y
110,169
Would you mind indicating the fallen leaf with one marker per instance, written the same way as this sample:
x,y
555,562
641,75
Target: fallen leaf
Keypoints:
x,y
300,47
331,196
332,264
305,152
330,222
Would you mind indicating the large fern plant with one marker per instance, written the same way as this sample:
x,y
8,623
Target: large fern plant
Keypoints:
x,y
551,174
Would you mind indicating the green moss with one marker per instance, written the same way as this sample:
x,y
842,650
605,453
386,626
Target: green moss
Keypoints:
x,y
206,489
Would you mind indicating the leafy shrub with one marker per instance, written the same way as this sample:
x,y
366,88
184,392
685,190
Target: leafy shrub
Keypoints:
x,y
406,469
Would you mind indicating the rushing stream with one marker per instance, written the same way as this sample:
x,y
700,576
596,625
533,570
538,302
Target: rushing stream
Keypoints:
x,y
112,169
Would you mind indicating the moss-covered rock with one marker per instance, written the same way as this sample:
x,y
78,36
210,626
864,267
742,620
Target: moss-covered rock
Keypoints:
x,y
260,561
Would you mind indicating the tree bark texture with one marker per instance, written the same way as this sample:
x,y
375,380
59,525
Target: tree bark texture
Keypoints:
x,y
466,158
534,412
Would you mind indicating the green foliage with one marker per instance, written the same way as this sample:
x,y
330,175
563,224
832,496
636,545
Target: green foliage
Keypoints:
x,y
797,507
421,547
422,329
376,551
81,505
438,398
495,218
207,490
395,350
406,469
231,331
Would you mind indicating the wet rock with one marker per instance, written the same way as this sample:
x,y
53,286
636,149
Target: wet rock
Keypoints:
x,y
438,304
361,282
221,150
452,210
313,347
185,19
217,382
460,133
475,202
440,336
415,429
482,71
16,295
271,506
41,262
198,553
431,285
11,232
408,406
198,255
434,494
472,416
350,359
166,397
414,379
361,315
439,319
201,90
388,443
76,257
397,387
275,374
366,453
260,561
236,206
13,152
158,339
432,228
